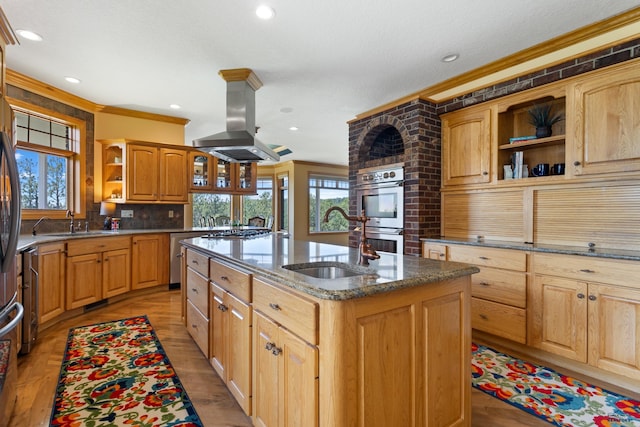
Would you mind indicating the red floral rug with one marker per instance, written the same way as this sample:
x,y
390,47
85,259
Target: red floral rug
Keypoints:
x,y
547,394
117,374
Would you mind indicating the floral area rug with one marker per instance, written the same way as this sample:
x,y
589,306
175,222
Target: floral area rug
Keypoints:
x,y
556,398
117,374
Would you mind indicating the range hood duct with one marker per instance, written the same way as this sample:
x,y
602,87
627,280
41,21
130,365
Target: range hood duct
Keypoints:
x,y
238,143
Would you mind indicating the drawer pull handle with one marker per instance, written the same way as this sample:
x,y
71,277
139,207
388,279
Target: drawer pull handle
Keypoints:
x,y
194,326
274,306
225,278
586,270
483,258
441,255
580,295
484,284
195,261
269,346
276,351
222,307
484,317
592,297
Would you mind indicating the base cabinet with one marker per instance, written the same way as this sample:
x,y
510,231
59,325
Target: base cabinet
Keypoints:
x,y
150,260
51,281
576,317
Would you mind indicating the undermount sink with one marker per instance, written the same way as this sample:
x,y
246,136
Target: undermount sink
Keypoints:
x,y
328,269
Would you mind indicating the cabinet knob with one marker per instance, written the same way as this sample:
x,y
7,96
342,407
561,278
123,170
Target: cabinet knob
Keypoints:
x,y
580,295
485,173
484,317
269,346
274,306
592,297
222,307
276,351
225,278
576,163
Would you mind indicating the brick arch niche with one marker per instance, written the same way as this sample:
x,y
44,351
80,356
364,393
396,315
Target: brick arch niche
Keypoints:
x,y
407,134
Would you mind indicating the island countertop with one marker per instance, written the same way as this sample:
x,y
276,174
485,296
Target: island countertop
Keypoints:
x,y
265,256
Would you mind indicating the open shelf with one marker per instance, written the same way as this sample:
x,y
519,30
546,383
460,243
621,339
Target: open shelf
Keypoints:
x,y
556,139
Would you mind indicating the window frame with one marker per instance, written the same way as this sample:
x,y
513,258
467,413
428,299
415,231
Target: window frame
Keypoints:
x,y
76,185
273,195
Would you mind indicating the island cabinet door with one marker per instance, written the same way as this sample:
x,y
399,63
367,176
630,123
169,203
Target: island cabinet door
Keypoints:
x,y
265,372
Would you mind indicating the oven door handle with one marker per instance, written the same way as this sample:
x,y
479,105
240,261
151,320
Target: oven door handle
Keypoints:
x,y
14,322
383,185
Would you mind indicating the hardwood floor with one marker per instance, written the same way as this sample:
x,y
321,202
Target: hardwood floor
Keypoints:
x,y
38,371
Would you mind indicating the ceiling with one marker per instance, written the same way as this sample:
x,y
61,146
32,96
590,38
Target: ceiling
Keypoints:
x,y
321,63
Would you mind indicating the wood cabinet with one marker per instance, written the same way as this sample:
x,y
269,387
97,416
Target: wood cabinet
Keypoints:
x,y
209,174
286,366
150,260
587,311
140,172
466,146
499,290
97,269
230,351
201,172
51,281
197,298
606,121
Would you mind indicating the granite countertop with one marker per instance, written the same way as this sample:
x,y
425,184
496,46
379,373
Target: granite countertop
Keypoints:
x,y
266,255
557,249
27,240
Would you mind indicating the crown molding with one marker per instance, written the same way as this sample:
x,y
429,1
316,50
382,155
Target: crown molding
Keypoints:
x,y
32,85
597,36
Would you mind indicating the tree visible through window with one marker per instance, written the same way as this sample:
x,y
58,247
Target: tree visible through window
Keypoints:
x,y
44,150
325,192
260,204
209,206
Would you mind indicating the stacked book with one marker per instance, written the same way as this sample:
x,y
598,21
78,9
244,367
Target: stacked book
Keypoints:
x,y
521,138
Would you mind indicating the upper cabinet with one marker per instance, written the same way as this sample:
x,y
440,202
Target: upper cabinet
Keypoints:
x,y
598,133
607,122
466,146
143,172
212,175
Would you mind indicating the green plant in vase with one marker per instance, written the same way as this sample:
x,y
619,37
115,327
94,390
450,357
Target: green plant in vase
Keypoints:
x,y
542,117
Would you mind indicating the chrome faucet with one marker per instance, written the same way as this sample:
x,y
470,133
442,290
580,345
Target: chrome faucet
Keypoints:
x,y
72,228
33,230
365,249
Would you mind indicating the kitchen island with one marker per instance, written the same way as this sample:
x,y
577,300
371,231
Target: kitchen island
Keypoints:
x,y
386,344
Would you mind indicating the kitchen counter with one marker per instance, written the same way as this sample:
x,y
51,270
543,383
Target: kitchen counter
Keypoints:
x,y
266,256
623,254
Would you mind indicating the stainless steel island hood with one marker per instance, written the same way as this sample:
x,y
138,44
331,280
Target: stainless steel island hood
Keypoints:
x,y
238,143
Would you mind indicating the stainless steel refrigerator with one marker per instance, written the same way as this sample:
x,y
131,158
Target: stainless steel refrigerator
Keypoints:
x,y
11,309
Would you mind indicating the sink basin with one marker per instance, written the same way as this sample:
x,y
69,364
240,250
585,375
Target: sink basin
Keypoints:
x,y
328,269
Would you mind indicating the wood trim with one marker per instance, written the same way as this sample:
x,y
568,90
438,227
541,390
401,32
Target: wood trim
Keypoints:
x,y
583,34
6,32
241,75
22,81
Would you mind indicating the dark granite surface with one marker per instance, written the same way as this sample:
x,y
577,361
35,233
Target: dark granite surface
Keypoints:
x,y
265,256
557,249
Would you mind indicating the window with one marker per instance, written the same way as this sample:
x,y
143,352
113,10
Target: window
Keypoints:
x,y
325,192
48,154
260,204
207,207
283,202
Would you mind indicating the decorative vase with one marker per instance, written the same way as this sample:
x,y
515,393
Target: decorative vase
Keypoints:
x,y
543,132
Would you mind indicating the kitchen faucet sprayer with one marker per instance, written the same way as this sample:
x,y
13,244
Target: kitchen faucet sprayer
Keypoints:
x,y
365,249
35,226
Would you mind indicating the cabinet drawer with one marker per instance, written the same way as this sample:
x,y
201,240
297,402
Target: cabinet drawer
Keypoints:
x,y
506,287
499,319
293,312
232,280
198,327
197,287
198,262
95,245
588,269
489,257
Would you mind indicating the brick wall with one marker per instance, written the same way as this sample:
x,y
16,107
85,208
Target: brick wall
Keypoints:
x,y
418,124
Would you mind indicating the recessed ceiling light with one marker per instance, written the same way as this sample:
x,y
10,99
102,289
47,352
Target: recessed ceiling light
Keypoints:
x,y
450,57
293,128
265,12
174,106
29,35
72,80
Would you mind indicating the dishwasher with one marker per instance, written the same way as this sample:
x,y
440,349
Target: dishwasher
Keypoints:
x,y
174,247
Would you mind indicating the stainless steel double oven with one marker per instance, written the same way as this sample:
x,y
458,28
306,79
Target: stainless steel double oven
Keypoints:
x,y
380,193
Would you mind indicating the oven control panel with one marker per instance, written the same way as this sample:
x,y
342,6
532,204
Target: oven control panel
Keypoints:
x,y
380,176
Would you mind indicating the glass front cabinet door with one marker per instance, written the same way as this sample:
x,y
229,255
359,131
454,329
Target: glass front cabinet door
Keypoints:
x,y
200,164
